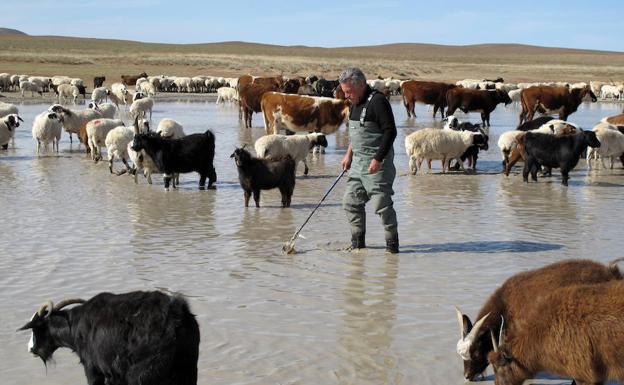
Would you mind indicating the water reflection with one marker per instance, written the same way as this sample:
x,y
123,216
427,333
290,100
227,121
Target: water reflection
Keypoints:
x,y
369,315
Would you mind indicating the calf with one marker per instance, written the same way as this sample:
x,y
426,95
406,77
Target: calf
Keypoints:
x,y
514,298
431,93
257,174
554,151
131,338
131,80
547,99
250,97
475,100
576,331
193,152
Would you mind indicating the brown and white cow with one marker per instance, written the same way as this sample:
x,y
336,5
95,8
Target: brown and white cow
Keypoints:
x,y
303,113
432,93
469,100
550,100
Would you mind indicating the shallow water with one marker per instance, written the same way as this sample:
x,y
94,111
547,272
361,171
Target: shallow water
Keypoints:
x,y
321,316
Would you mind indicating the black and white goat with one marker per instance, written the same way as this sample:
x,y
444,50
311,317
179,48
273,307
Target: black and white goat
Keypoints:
x,y
132,338
257,174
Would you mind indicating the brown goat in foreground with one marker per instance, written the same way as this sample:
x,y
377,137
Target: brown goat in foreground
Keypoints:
x,y
576,331
514,298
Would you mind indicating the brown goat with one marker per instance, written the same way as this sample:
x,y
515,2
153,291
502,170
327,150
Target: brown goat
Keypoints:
x,y
514,298
131,80
575,331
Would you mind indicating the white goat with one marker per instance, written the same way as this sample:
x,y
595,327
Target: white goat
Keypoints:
x,y
32,87
611,144
140,107
99,94
67,91
47,128
97,130
297,146
227,94
117,142
433,144
169,128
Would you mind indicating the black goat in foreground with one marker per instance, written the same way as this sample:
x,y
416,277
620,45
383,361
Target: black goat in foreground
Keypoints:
x,y
257,174
193,152
132,338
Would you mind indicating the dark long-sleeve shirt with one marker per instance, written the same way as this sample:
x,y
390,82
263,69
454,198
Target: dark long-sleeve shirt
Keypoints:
x,y
380,112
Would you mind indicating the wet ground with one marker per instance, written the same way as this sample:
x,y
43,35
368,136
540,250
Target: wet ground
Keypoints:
x,y
320,316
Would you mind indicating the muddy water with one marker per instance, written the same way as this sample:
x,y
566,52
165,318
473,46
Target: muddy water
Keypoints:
x,y
321,316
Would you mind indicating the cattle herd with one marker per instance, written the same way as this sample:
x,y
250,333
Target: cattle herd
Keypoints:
x,y
562,318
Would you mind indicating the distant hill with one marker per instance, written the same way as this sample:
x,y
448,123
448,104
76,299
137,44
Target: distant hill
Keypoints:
x,y
9,31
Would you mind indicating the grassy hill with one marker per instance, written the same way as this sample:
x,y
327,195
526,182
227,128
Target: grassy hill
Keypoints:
x,y
87,57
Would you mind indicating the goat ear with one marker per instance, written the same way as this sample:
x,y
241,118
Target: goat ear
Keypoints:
x,y
231,156
26,327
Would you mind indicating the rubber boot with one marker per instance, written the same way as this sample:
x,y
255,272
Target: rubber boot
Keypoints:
x,y
357,242
392,245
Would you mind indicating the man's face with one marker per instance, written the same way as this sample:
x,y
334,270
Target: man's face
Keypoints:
x,y
353,92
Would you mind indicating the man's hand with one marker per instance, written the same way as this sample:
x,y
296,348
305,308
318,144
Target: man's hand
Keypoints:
x,y
346,162
375,165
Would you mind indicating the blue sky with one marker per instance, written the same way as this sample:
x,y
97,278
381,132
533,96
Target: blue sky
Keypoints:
x,y
574,24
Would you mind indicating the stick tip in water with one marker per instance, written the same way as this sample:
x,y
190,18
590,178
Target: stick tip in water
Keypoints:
x,y
288,248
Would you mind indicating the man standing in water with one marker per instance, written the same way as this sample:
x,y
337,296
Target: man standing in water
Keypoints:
x,y
369,159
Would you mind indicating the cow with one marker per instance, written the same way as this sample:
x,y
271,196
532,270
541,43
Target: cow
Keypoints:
x,y
250,96
303,113
432,93
469,100
131,80
550,100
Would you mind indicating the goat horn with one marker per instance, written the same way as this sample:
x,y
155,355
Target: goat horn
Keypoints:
x,y
501,334
494,343
46,306
475,329
460,320
67,302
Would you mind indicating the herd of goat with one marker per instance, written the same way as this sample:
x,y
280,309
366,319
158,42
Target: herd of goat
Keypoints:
x,y
563,318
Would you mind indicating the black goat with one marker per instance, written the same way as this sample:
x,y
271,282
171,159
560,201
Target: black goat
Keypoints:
x,y
257,174
131,338
554,151
98,81
193,152
534,124
472,152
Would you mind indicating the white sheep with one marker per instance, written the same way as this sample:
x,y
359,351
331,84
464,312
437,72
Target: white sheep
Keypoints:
x,y
117,142
74,120
611,144
297,146
76,82
30,86
120,92
97,130
433,144
47,128
140,107
99,94
8,124
183,83
514,95
67,91
169,128
147,88
7,108
108,110
227,94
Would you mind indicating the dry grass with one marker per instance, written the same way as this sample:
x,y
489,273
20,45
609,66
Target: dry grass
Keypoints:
x,y
85,58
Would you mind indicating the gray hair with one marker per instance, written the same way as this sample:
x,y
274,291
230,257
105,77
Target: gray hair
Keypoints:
x,y
355,75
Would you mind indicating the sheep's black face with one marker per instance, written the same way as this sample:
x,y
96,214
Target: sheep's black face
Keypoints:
x,y
41,343
592,139
322,141
504,96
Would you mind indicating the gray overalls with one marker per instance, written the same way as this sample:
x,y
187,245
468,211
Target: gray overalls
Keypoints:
x,y
365,138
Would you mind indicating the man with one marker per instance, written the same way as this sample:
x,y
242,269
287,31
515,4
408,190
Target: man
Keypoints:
x,y
369,159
